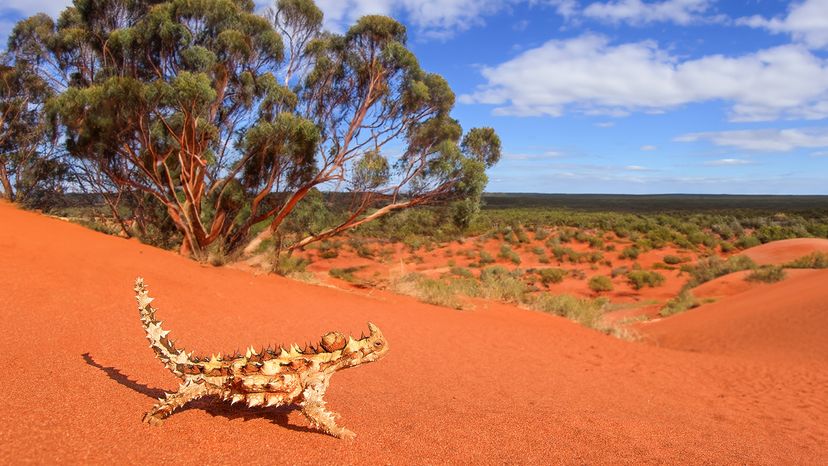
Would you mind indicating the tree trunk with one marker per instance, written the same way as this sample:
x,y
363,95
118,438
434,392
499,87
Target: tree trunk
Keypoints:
x,y
8,191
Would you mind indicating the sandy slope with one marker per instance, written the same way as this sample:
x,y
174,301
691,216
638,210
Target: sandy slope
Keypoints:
x,y
493,385
780,252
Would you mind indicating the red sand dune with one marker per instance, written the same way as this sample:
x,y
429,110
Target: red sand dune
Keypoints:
x,y
783,322
780,252
493,385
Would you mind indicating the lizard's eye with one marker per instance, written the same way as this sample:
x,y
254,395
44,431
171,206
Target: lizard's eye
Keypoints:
x,y
378,344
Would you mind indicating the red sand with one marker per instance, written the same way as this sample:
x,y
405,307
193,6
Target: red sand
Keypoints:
x,y
780,252
494,385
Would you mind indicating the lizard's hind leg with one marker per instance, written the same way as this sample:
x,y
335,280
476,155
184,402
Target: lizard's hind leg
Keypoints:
x,y
187,392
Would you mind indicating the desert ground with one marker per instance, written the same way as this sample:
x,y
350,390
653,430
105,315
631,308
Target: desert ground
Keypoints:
x,y
737,381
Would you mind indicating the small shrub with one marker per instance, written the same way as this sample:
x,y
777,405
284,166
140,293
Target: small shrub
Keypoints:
x,y
639,279
485,258
599,283
329,249
684,301
746,242
541,233
587,312
461,272
498,283
288,264
629,252
767,274
552,275
814,260
348,274
712,267
507,253
675,260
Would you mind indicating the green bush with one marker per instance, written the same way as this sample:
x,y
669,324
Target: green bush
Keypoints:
x,y
587,312
485,258
287,264
712,267
599,283
630,252
674,260
551,275
746,242
814,260
684,301
498,283
507,253
348,274
639,279
767,274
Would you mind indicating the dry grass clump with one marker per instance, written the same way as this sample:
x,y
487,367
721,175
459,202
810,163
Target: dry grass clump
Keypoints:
x,y
767,274
814,260
599,283
501,284
684,301
588,312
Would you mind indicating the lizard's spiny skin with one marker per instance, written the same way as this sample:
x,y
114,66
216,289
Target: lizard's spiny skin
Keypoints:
x,y
269,377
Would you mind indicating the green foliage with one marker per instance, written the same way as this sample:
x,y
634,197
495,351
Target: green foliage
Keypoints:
x,y
767,274
498,283
712,267
599,283
552,275
508,254
348,274
289,264
629,253
814,260
684,301
587,312
639,279
675,260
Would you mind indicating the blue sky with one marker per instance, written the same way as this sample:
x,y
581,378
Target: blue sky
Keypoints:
x,y
623,96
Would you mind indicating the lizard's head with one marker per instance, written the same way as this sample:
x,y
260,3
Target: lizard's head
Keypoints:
x,y
374,346
355,352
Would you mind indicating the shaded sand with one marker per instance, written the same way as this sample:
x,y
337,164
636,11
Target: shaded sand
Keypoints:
x,y
780,252
494,385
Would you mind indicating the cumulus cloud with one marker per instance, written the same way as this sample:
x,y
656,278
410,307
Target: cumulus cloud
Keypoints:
x,y
806,22
589,75
637,12
764,140
432,17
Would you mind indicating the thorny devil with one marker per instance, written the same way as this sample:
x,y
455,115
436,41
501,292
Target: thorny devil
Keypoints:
x,y
270,377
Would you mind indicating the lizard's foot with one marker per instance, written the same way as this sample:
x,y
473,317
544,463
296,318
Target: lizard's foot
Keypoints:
x,y
152,420
345,434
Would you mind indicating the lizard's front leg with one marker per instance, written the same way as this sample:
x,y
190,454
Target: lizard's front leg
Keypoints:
x,y
313,407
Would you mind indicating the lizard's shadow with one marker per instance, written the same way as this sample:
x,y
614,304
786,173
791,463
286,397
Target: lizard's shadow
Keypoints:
x,y
214,407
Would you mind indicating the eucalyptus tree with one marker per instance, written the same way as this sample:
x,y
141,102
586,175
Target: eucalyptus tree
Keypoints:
x,y
27,166
230,119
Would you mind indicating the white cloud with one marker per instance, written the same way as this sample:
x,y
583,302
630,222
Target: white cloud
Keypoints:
x,y
648,147
765,140
806,21
638,12
605,124
589,75
636,168
432,17
728,162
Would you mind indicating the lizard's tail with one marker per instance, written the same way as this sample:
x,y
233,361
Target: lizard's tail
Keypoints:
x,y
174,359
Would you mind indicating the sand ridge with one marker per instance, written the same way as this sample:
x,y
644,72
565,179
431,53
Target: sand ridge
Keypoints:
x,y
493,385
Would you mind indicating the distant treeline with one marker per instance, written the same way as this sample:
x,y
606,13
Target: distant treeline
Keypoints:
x,y
661,203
